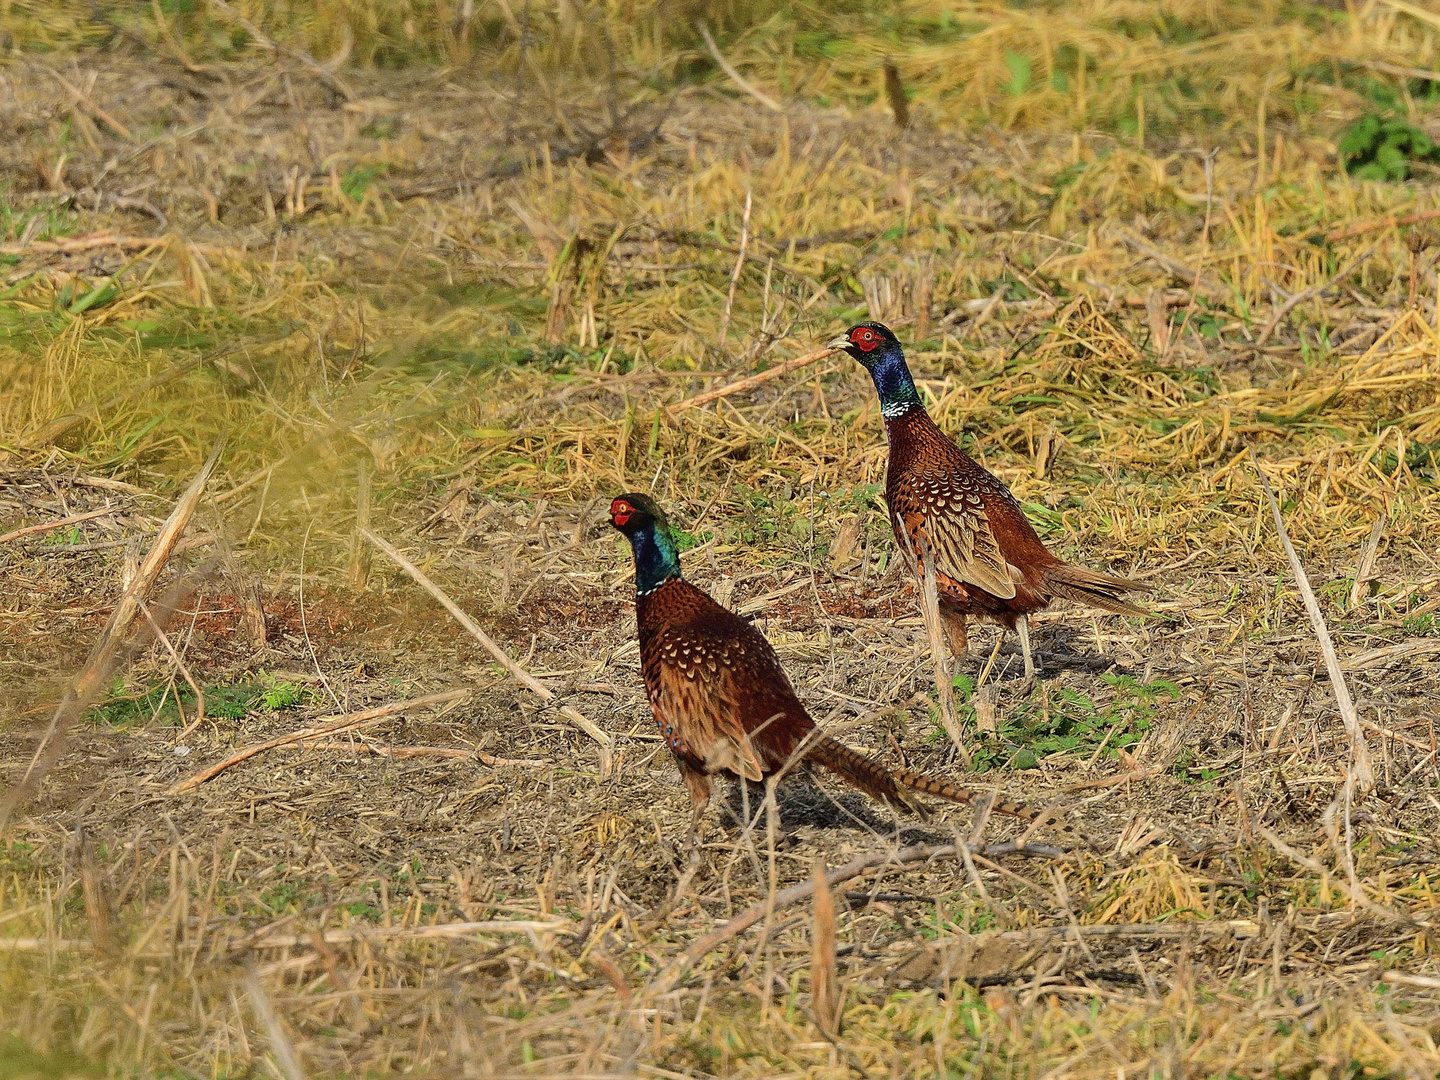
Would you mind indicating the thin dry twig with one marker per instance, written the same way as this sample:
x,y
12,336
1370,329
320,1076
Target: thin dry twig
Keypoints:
x,y
1359,751
329,726
418,751
51,526
749,382
164,639
1308,294
84,102
404,933
735,276
1365,568
519,673
827,997
735,76
281,1046
97,668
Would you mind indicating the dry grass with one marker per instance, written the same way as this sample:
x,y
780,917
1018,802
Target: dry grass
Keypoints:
x,y
482,287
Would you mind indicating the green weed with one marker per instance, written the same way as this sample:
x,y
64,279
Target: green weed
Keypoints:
x,y
1374,148
1064,720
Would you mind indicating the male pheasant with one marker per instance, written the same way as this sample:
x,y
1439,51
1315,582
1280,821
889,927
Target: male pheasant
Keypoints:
x,y
989,564
720,697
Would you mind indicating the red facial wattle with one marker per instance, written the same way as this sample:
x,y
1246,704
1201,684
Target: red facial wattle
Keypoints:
x,y
865,339
620,512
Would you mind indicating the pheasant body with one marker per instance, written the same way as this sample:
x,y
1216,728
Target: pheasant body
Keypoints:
x,y
721,699
989,563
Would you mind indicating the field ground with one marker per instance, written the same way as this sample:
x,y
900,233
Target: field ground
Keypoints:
x,y
471,306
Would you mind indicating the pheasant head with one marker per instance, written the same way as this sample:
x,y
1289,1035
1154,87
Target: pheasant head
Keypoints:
x,y
878,350
643,522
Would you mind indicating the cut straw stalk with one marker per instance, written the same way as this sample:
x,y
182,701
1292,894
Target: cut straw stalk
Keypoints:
x,y
827,997
1309,294
328,726
59,523
1359,751
405,933
735,76
522,676
750,382
401,752
99,664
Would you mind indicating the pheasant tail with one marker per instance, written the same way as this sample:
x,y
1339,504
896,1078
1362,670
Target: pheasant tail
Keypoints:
x,y
887,784
1091,587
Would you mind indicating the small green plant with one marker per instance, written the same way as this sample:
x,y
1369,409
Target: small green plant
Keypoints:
x,y
283,897
1421,625
281,694
359,177
43,222
1065,720
232,702
1374,148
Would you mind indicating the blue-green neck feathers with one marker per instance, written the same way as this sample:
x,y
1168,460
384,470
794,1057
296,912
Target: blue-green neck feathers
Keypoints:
x,y
656,560
894,385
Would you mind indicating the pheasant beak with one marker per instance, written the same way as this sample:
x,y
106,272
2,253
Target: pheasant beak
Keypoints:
x,y
841,342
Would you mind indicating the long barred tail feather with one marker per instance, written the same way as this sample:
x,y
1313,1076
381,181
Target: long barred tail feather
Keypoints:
x,y
876,780
1092,587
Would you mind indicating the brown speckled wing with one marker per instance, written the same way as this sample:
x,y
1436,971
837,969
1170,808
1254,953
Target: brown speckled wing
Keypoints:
x,y
946,511
716,687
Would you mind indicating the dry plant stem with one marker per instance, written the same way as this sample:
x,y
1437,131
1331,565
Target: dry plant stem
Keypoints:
x,y
419,751
97,668
281,1047
1359,752
667,979
749,382
1360,228
1178,269
184,673
735,76
520,674
51,526
348,722
827,998
1365,568
1309,294
72,244
84,102
735,276
408,933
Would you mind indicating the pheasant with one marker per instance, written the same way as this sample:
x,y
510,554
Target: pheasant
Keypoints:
x,y
989,564
720,697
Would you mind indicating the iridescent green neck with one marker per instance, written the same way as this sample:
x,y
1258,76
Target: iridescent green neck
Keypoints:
x,y
894,385
656,560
